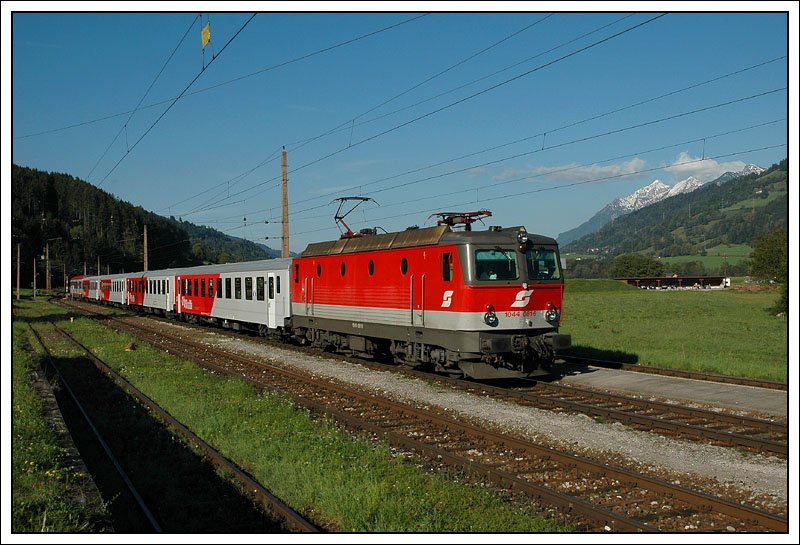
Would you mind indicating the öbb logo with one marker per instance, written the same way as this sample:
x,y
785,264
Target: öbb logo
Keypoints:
x,y
522,299
447,298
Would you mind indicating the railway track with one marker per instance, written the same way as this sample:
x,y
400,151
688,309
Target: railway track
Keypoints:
x,y
594,494
752,434
695,375
748,433
289,520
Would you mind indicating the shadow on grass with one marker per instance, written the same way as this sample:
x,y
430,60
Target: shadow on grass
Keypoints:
x,y
184,492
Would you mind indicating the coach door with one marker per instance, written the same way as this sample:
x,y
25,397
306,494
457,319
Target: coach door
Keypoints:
x,y
178,285
272,303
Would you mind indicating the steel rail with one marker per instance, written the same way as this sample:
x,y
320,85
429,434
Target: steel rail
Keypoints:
x,y
273,504
696,375
123,475
704,501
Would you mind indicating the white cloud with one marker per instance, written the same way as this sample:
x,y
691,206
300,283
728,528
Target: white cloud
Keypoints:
x,y
576,172
704,170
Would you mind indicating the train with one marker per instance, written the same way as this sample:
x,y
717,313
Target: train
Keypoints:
x,y
472,304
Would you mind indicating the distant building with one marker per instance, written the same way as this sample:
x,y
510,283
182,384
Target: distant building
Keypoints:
x,y
677,282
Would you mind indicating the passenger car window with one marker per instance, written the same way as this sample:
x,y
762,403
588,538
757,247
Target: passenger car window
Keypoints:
x,y
260,288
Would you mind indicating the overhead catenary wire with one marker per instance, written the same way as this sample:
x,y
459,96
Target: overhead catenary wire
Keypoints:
x,y
557,187
460,101
176,100
136,108
228,82
551,172
454,89
567,169
551,131
415,86
351,122
559,145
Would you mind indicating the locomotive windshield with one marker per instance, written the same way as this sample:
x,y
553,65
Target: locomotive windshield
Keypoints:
x,y
542,264
496,264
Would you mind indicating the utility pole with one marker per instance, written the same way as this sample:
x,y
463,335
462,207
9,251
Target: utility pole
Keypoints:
x,y
18,244
285,206
84,268
47,258
34,278
98,266
145,247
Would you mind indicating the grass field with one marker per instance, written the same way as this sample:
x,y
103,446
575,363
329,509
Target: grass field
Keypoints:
x,y
722,331
350,483
48,494
716,256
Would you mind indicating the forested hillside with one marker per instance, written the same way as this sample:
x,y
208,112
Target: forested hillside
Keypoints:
x,y
736,212
80,223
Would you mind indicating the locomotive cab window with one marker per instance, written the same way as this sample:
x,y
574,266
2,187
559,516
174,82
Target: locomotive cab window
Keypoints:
x,y
496,264
277,284
542,264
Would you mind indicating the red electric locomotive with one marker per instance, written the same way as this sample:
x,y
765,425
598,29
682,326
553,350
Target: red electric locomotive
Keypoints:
x,y
483,304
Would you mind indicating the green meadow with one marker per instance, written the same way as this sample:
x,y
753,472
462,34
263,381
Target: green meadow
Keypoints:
x,y
728,331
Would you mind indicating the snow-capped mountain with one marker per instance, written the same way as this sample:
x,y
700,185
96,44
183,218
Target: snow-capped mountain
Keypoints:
x,y
645,196
748,169
684,186
640,198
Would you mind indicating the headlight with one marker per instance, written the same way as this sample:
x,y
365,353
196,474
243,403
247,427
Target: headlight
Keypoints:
x,y
490,318
552,314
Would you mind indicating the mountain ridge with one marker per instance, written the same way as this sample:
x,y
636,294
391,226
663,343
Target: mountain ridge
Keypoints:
x,y
733,212
650,194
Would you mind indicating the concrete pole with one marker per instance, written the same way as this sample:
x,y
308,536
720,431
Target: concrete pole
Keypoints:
x,y
98,265
145,248
34,279
47,257
18,264
285,203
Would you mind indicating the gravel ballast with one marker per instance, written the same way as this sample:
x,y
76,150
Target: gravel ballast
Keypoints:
x,y
765,476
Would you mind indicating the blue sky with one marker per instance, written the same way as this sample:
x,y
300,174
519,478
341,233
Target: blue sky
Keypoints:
x,y
541,117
